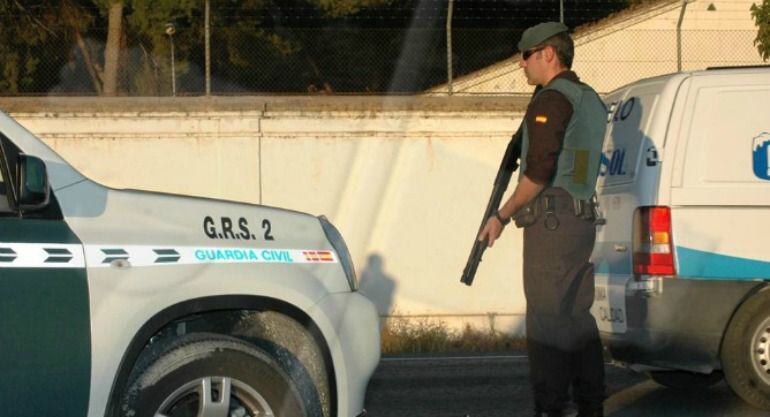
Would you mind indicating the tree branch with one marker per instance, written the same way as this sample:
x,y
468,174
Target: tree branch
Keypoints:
x,y
89,63
33,18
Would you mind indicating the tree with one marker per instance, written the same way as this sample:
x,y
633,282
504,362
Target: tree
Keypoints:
x,y
27,35
761,15
120,47
139,25
256,50
112,48
338,8
145,20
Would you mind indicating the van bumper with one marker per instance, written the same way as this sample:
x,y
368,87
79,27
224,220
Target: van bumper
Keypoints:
x,y
355,347
681,326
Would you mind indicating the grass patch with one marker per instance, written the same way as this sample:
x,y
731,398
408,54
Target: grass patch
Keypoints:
x,y
433,336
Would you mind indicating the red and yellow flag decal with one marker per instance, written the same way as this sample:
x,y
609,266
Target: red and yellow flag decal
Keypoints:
x,y
318,256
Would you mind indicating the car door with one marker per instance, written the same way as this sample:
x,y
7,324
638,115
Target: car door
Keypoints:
x,y
45,347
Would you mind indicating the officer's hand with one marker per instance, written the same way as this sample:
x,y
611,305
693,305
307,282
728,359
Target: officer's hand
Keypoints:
x,y
491,231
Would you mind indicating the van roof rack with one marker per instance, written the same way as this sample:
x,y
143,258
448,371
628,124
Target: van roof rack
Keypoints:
x,y
738,67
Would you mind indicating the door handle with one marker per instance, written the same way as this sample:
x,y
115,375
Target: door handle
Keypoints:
x,y
120,264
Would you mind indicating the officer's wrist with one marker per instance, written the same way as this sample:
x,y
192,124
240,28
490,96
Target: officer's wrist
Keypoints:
x,y
503,220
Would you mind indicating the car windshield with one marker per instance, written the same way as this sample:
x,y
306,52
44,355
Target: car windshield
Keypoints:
x,y
4,206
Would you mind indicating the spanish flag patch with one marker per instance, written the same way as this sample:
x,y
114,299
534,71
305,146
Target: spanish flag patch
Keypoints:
x,y
541,119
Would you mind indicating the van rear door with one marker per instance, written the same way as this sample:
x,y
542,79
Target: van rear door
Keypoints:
x,y
721,177
628,178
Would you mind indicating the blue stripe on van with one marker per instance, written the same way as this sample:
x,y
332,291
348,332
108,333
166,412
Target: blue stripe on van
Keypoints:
x,y
697,264
602,268
618,268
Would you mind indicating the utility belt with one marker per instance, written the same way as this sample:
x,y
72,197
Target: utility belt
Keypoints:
x,y
555,202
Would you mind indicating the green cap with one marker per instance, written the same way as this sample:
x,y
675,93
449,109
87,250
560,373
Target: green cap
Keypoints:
x,y
537,34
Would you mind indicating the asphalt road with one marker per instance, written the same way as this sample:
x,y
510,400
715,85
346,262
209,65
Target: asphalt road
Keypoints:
x,y
497,386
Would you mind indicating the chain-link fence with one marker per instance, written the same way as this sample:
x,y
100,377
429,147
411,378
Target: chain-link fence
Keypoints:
x,y
398,47
626,56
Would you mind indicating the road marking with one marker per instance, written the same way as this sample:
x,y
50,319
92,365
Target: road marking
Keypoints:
x,y
625,398
450,358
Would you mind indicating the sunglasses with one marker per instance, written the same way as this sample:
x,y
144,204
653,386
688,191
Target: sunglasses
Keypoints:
x,y
528,53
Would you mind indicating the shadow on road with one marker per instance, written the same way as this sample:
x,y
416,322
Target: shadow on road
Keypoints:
x,y
647,398
498,386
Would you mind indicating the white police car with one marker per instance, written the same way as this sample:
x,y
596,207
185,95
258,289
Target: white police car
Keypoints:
x,y
130,303
683,269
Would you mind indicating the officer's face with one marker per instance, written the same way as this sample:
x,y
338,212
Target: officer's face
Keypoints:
x,y
533,64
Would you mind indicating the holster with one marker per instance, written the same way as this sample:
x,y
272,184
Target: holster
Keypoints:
x,y
527,215
531,212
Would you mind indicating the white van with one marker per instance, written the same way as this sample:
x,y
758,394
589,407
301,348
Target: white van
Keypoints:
x,y
131,303
682,263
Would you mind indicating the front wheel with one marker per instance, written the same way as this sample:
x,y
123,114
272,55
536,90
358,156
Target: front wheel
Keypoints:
x,y
746,352
213,376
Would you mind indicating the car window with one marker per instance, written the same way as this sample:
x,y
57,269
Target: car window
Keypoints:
x,y
4,205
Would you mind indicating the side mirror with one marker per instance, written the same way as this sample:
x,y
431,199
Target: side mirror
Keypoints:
x,y
32,183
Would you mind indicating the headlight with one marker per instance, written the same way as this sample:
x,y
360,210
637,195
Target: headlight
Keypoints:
x,y
335,238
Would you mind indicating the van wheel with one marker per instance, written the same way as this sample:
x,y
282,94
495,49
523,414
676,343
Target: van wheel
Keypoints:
x,y
746,352
684,379
211,375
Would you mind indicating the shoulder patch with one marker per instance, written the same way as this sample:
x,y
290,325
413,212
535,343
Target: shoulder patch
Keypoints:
x,y
541,119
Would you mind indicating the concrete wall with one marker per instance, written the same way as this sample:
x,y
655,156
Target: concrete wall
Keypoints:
x,y
406,180
640,43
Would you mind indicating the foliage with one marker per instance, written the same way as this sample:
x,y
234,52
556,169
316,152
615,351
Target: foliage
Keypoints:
x,y
337,8
39,38
434,336
301,46
761,15
26,35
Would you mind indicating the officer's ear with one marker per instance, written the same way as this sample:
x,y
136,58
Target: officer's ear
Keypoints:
x,y
549,53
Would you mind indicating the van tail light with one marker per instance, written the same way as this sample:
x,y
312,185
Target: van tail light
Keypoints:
x,y
652,241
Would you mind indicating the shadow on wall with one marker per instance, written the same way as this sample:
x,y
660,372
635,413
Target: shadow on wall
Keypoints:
x,y
376,285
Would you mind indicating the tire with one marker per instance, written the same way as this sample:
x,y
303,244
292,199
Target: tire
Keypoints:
x,y
746,352
194,371
685,380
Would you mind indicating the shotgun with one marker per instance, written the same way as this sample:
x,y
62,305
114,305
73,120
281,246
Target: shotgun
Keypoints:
x,y
508,166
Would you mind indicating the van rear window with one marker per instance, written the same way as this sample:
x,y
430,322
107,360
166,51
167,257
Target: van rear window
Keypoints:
x,y
627,142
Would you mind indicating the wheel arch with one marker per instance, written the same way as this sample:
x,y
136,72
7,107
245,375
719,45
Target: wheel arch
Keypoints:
x,y
195,308
761,290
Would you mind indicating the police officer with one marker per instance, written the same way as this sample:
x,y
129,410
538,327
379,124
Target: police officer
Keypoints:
x,y
562,136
